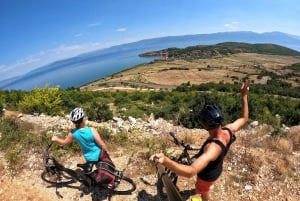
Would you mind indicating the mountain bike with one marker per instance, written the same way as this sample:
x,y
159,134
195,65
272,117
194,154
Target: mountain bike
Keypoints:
x,y
57,174
183,158
169,184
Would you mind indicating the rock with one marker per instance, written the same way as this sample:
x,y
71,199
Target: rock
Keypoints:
x,y
248,187
132,120
254,124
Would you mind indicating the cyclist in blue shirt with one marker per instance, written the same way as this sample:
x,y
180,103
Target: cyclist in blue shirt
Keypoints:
x,y
87,137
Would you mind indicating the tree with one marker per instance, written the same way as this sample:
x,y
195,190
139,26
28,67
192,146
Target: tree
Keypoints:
x,y
45,100
99,112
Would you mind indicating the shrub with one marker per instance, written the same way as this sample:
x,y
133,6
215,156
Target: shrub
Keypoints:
x,y
46,100
16,140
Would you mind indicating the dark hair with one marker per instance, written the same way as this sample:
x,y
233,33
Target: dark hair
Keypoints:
x,y
210,117
79,121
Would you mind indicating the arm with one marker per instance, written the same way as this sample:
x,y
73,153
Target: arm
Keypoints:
x,y
99,140
240,122
67,140
211,153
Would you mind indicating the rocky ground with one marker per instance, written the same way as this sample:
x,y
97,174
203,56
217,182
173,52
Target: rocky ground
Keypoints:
x,y
256,168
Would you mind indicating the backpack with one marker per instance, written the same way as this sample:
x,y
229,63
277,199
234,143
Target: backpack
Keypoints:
x,y
106,170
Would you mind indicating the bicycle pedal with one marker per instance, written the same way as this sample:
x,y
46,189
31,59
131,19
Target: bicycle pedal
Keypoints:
x,y
116,183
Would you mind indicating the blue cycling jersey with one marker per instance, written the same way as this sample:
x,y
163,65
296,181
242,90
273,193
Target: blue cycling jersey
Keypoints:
x,y
85,138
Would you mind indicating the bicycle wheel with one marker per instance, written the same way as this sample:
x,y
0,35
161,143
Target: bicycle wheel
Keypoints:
x,y
125,186
57,178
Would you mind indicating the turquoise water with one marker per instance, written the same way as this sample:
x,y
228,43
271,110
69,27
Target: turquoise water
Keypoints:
x,y
81,71
77,71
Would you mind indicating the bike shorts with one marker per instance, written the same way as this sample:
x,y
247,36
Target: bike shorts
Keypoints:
x,y
202,187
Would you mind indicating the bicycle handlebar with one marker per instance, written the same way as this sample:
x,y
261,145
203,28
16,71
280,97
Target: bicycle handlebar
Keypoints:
x,y
49,144
177,142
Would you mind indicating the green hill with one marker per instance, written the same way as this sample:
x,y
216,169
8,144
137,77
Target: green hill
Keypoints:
x,y
222,49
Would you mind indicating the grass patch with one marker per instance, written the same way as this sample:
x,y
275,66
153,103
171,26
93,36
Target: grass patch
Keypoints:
x,y
16,139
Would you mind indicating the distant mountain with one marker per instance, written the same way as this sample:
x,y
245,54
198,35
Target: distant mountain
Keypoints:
x,y
277,38
116,52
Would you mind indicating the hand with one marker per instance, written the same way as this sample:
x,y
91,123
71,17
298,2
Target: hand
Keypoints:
x,y
107,151
158,158
245,88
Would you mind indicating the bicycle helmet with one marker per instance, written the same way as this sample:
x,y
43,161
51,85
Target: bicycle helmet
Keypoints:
x,y
77,115
210,117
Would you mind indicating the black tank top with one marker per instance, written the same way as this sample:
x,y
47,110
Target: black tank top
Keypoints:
x,y
214,168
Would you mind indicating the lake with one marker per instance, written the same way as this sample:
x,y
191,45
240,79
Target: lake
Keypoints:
x,y
81,72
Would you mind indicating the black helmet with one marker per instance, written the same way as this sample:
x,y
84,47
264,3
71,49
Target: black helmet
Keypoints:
x,y
77,115
210,117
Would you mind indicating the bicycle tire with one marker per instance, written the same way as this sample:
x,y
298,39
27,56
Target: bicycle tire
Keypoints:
x,y
126,186
51,178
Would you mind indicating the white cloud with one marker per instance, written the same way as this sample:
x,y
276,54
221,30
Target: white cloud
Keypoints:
x,y
66,48
78,35
45,57
121,29
20,66
3,68
232,26
94,24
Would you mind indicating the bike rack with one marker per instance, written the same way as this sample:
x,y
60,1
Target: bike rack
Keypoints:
x,y
172,192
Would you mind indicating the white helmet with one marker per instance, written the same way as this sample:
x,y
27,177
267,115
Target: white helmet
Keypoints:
x,y
77,114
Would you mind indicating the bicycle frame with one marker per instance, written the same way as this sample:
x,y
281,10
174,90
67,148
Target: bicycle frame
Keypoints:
x,y
183,158
58,175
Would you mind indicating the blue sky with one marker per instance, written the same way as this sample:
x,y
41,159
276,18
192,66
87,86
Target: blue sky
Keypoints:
x,y
37,32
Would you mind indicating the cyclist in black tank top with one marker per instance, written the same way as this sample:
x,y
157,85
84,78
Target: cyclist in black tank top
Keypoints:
x,y
214,168
208,162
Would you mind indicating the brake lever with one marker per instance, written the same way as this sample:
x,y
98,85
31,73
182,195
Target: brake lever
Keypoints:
x,y
49,144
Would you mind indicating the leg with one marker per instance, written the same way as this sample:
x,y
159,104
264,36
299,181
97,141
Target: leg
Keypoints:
x,y
202,187
205,197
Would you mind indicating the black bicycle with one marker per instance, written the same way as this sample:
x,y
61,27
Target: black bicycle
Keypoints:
x,y
183,158
57,174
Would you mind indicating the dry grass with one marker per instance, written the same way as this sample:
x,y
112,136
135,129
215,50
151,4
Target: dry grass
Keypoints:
x,y
283,167
259,155
2,168
294,135
280,145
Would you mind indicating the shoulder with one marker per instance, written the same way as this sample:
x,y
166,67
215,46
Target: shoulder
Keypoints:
x,y
213,148
93,129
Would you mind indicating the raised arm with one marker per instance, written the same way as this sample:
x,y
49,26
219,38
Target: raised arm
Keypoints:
x,y
240,122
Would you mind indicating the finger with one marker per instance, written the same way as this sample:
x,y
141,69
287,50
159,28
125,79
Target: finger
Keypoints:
x,y
247,84
243,85
152,158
